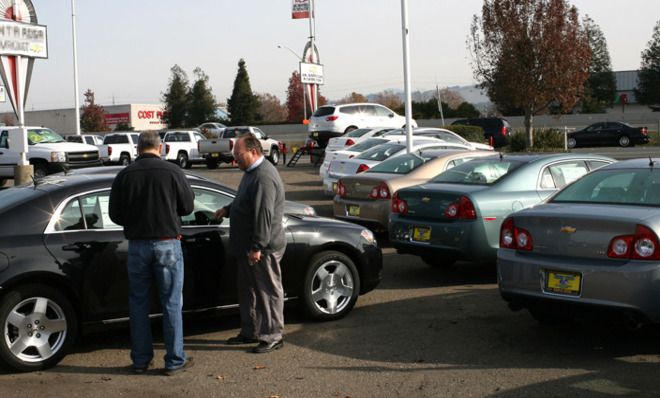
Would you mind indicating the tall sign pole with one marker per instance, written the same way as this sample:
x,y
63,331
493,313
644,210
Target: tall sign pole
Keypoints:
x,y
311,71
314,59
22,41
406,73
75,67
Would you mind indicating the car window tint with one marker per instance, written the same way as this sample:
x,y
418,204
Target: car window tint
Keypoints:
x,y
135,138
207,202
357,133
370,143
566,172
326,110
115,139
480,172
382,111
94,208
596,164
89,140
3,140
632,187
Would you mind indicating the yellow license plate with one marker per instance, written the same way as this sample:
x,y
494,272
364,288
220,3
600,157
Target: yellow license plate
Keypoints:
x,y
315,135
563,282
421,234
354,210
334,187
215,155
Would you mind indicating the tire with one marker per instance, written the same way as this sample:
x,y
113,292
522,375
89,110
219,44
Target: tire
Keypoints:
x,y
624,141
331,286
211,164
40,170
349,129
182,160
124,159
572,142
274,156
439,262
23,325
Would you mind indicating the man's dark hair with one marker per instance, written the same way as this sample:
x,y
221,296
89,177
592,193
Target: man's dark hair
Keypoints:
x,y
251,142
148,140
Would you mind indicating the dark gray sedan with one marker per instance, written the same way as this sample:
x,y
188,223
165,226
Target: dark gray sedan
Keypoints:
x,y
591,250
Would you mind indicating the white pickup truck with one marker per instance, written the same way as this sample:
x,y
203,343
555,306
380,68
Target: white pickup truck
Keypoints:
x,y
47,152
180,147
219,149
119,148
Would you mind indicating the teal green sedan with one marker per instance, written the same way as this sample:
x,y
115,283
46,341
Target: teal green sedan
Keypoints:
x,y
457,215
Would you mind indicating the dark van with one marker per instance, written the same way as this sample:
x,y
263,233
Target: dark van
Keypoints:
x,y
497,128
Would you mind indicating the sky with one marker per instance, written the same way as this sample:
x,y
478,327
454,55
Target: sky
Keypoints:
x,y
127,47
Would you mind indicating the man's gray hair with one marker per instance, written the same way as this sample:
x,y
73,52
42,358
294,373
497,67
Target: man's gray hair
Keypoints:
x,y
148,140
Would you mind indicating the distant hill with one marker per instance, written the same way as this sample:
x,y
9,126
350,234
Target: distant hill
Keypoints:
x,y
471,94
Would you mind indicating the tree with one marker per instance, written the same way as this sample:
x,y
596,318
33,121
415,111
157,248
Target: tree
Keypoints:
x,y
242,105
452,98
529,54
271,109
389,99
176,99
201,101
294,99
353,98
600,88
648,88
92,118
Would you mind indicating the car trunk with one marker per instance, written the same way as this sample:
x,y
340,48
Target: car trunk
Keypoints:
x,y
429,201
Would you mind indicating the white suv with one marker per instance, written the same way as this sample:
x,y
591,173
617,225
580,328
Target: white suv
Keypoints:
x,y
334,120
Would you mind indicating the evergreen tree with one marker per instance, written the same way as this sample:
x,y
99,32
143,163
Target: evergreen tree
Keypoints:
x,y
176,98
201,102
242,105
600,88
648,88
92,118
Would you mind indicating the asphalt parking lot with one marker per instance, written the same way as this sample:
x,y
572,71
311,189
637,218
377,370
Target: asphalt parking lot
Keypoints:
x,y
422,333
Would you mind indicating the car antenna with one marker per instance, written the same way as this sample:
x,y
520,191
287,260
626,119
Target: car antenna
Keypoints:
x,y
651,162
501,156
66,170
35,181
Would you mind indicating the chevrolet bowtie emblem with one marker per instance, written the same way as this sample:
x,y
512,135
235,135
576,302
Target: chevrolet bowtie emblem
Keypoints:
x,y
568,230
426,199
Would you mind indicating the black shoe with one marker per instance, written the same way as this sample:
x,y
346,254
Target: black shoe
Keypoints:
x,y
240,340
186,365
264,347
138,370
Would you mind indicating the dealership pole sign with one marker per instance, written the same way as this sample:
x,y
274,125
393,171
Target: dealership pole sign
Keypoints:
x,y
21,42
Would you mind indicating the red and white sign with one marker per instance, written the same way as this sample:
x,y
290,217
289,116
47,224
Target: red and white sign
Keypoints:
x,y
113,119
300,9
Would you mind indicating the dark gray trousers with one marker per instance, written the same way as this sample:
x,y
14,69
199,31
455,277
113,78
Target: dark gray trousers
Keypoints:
x,y
261,297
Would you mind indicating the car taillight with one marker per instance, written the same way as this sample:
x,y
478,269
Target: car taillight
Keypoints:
x,y
349,142
641,246
381,191
231,145
362,167
399,205
462,210
109,150
167,148
331,118
645,131
512,237
341,189
503,131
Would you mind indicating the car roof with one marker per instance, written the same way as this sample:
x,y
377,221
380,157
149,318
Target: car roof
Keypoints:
x,y
639,163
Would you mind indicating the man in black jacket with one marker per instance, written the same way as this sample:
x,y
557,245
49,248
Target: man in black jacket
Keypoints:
x,y
148,198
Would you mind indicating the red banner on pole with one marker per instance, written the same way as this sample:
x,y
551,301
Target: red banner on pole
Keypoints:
x,y
300,9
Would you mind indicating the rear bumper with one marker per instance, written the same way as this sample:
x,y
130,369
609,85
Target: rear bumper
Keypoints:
x,y
322,137
372,213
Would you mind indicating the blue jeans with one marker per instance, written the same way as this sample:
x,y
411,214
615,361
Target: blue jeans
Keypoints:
x,y
162,261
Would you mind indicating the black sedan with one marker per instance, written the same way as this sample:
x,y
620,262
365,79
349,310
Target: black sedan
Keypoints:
x,y
63,263
608,133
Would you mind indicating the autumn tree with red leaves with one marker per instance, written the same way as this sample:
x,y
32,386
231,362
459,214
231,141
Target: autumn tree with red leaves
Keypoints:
x,y
529,55
92,118
294,99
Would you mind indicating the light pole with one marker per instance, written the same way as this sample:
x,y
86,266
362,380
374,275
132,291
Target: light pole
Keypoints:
x,y
303,86
75,67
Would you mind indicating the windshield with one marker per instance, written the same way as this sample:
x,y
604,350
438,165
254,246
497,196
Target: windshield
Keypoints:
x,y
43,136
403,164
370,143
357,133
620,186
478,172
381,152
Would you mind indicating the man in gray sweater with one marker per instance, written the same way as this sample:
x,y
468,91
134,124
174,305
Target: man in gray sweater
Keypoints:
x,y
257,241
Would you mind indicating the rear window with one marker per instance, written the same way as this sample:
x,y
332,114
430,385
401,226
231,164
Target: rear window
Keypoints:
x,y
116,139
324,111
640,187
357,133
234,132
478,172
403,164
381,152
368,144
177,137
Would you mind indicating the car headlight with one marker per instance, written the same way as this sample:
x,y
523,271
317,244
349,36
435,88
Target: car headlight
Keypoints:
x,y
58,157
309,211
368,236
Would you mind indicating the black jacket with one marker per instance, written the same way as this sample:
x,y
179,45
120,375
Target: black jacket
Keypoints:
x,y
148,197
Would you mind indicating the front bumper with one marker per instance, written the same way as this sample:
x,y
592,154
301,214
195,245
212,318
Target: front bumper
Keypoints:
x,y
372,267
56,167
607,287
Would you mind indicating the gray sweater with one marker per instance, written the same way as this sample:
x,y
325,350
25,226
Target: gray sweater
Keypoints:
x,y
256,213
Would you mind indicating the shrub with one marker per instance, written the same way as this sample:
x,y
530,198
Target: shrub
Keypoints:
x,y
545,140
470,133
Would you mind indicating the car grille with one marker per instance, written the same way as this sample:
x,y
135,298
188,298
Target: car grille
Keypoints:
x,y
82,157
